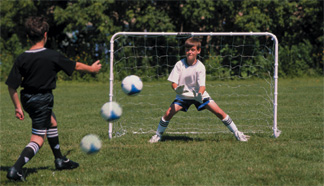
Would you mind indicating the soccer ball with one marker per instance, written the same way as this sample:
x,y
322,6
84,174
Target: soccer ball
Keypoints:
x,y
132,85
111,111
90,144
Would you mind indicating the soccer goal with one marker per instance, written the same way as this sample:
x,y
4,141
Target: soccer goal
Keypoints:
x,y
241,76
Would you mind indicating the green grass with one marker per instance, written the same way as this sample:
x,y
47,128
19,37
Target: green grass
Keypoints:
x,y
295,158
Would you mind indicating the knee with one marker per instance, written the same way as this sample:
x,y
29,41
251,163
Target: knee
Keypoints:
x,y
37,139
168,115
173,109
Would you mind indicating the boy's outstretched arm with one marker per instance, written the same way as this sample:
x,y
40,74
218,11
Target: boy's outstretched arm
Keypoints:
x,y
94,68
15,100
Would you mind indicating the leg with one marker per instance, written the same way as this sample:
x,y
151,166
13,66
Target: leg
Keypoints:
x,y
53,139
37,139
39,108
173,110
53,120
36,142
214,108
164,122
228,122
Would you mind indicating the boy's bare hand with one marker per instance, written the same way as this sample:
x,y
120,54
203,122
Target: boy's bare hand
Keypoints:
x,y
19,114
96,66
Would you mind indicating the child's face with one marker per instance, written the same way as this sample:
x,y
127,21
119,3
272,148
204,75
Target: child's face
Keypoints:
x,y
192,53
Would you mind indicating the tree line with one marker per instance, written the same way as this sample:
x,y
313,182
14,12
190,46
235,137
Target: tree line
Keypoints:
x,y
82,29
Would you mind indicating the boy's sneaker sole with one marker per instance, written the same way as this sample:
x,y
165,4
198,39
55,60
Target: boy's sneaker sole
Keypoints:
x,y
64,163
240,136
15,175
155,139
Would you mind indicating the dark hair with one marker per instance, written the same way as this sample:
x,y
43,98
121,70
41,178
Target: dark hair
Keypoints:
x,y
193,41
36,28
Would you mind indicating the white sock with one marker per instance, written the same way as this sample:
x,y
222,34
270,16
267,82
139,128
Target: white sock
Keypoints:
x,y
162,126
228,122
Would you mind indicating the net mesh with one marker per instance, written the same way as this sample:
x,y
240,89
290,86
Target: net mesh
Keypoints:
x,y
239,78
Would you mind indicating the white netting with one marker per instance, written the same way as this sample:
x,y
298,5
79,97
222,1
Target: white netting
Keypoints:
x,y
239,70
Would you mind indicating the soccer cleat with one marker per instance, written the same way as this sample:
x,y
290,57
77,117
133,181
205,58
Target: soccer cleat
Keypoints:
x,y
64,163
155,139
240,136
15,175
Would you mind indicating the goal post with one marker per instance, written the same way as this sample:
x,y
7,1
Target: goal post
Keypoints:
x,y
226,59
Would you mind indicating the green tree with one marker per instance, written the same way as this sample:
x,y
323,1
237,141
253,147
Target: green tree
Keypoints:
x,y
13,40
148,16
297,25
82,29
86,24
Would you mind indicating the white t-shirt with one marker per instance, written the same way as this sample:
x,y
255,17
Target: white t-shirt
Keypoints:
x,y
191,76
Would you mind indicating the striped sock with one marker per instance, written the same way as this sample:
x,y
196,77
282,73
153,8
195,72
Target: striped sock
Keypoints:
x,y
162,126
228,122
27,154
53,140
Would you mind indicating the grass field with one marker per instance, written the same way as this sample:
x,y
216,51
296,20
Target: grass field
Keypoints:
x,y
295,158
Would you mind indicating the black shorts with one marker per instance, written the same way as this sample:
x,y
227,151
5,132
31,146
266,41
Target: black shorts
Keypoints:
x,y
39,107
186,103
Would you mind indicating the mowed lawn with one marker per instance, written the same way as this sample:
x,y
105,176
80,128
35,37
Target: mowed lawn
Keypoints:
x,y
295,158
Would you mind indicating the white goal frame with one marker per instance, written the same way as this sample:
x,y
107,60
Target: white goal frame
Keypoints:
x,y
276,131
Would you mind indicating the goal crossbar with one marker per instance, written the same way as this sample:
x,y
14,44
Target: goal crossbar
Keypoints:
x,y
276,131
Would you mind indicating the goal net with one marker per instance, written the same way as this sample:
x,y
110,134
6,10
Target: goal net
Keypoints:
x,y
241,77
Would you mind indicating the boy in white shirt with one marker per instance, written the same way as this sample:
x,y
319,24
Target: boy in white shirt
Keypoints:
x,y
188,79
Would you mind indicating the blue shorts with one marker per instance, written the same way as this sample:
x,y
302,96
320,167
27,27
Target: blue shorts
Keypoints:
x,y
186,103
39,107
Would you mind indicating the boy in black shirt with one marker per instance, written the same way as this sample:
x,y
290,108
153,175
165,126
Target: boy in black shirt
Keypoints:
x,y
35,71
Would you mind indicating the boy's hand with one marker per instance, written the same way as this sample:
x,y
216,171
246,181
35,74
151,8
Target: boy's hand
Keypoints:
x,y
19,114
180,89
198,97
96,66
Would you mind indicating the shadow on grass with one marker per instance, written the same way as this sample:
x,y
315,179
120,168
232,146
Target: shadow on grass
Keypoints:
x,y
180,138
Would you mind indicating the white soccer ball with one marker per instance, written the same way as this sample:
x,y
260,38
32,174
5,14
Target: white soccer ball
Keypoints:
x,y
90,144
132,85
111,111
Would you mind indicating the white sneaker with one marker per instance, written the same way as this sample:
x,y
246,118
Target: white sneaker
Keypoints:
x,y
155,139
241,136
